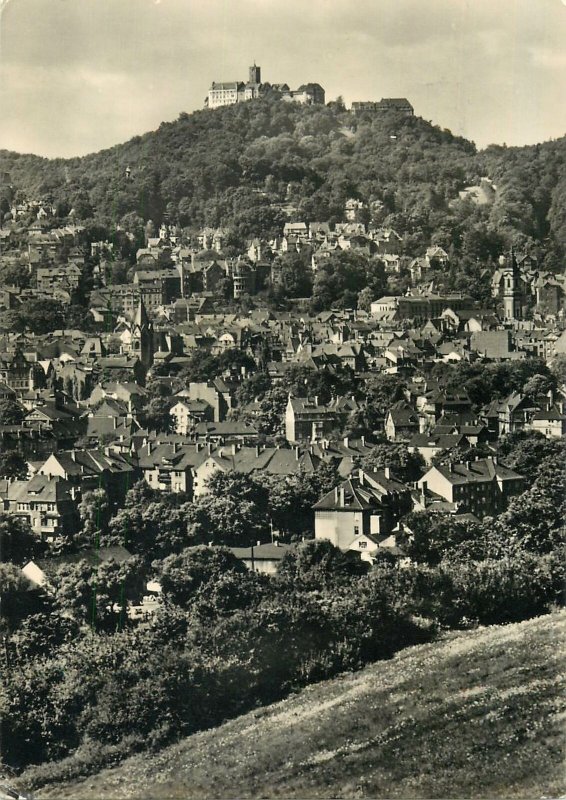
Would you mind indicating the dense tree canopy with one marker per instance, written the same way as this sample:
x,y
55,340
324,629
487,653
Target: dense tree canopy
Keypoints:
x,y
235,167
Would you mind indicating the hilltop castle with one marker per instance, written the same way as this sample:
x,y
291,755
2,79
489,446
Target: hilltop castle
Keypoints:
x,y
228,93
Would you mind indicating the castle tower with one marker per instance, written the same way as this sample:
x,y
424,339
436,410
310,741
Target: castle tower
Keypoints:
x,y
511,287
255,74
141,342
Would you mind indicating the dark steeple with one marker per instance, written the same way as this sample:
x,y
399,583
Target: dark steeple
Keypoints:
x,y
255,74
142,336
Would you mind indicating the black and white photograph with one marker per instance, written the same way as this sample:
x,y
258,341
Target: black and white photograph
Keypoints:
x,y
282,399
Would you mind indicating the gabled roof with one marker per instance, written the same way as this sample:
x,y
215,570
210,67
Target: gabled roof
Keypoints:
x,y
226,428
553,414
90,462
40,488
443,441
401,413
263,552
481,471
349,496
168,454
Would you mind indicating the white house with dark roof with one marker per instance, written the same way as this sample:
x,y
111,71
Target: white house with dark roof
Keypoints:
x,y
366,504
551,423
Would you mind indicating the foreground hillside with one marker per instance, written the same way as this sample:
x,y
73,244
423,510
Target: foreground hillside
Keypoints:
x,y
477,715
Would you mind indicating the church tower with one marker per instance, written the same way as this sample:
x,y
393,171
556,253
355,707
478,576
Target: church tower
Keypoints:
x,y
511,287
141,342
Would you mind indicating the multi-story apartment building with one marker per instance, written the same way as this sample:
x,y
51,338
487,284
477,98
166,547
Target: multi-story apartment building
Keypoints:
x,y
483,487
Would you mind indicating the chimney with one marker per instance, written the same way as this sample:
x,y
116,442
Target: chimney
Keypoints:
x,y
234,449
257,451
149,448
451,467
422,424
197,447
316,400
342,500
114,422
221,453
297,453
495,460
346,441
73,455
361,476
258,543
468,465
424,487
363,440
209,447
336,494
387,472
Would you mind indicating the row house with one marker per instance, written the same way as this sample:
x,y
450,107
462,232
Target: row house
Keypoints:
x,y
420,307
161,286
228,431
169,466
280,462
483,487
88,470
66,277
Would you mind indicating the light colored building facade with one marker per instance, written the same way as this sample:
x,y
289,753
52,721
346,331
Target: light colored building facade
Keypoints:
x,y
228,93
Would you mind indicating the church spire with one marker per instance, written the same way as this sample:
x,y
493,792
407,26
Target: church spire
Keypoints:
x,y
511,288
141,318
141,336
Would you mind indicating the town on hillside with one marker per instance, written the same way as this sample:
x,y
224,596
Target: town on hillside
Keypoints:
x,y
161,383
248,447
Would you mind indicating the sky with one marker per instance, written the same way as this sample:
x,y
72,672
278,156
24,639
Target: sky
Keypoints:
x,y
77,76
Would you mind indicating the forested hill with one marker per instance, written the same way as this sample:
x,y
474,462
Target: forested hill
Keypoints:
x,y
237,165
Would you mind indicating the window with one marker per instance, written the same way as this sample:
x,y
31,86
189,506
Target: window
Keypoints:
x,y
362,545
356,530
